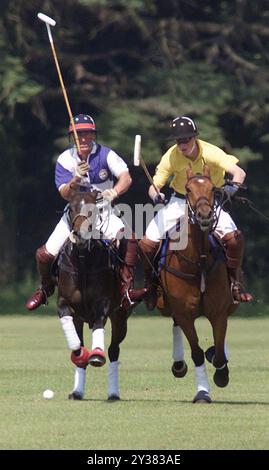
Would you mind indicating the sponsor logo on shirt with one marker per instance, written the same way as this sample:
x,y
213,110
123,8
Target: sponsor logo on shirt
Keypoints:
x,y
103,174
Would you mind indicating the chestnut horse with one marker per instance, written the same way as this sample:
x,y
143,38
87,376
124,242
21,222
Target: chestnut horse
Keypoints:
x,y
195,282
88,292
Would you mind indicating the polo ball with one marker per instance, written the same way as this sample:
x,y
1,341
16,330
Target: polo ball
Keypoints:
x,y
48,394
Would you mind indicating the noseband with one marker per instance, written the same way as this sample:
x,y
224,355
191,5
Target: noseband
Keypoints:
x,y
202,200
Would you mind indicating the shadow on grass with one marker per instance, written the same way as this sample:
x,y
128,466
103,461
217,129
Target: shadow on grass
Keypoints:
x,y
152,400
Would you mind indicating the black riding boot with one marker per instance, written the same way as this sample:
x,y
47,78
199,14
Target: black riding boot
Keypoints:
x,y
149,250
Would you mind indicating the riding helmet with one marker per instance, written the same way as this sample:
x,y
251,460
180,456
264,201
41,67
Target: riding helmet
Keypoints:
x,y
183,127
83,122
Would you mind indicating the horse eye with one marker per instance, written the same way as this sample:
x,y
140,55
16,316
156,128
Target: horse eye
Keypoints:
x,y
188,190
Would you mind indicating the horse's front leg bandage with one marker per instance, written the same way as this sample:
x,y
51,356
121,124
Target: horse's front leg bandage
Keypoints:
x,y
98,339
70,333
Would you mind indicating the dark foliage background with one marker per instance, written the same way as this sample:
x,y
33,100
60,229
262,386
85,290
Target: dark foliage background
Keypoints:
x,y
133,65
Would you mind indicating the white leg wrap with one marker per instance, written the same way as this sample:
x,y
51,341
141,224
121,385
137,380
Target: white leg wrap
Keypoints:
x,y
201,378
113,379
80,380
70,333
226,350
178,350
98,339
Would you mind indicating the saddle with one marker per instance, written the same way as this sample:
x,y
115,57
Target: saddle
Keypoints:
x,y
216,250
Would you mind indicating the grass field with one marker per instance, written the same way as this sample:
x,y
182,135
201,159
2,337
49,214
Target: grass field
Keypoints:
x,y
155,411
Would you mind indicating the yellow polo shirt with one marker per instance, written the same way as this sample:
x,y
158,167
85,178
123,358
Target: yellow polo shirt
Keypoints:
x,y
175,164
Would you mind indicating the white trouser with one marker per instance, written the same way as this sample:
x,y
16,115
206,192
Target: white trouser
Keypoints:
x,y
109,226
168,216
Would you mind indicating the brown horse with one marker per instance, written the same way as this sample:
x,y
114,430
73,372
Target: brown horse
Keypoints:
x,y
88,292
195,283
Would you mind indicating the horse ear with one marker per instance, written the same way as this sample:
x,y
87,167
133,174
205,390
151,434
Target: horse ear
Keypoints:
x,y
206,171
189,172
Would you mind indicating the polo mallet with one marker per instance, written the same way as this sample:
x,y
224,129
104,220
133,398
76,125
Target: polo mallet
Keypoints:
x,y
50,22
139,160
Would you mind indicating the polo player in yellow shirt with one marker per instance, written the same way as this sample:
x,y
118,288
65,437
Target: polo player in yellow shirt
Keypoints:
x,y
190,151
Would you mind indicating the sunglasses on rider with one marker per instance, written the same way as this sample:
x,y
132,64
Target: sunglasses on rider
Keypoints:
x,y
184,141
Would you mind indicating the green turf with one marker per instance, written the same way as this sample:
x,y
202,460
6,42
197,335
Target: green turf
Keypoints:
x,y
155,411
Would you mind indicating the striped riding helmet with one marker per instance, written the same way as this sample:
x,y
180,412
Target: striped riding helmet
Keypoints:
x,y
83,122
183,127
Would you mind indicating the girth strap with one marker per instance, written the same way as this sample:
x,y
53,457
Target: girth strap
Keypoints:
x,y
175,272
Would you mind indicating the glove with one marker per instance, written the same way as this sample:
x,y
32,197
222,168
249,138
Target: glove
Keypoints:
x,y
82,169
230,189
159,198
110,194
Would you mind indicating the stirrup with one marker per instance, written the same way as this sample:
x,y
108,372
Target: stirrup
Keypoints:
x,y
126,297
131,296
238,293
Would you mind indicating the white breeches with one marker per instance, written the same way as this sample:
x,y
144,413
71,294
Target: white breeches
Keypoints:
x,y
109,226
169,215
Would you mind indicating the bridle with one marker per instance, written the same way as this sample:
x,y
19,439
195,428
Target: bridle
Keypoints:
x,y
210,222
85,213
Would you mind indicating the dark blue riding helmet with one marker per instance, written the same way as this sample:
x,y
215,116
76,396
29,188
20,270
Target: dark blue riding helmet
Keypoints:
x,y
83,122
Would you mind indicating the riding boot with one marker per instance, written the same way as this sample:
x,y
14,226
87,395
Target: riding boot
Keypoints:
x,y
44,263
149,250
128,293
234,245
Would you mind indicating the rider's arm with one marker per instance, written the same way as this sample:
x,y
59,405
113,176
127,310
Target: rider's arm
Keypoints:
x,y
237,173
152,191
124,182
65,190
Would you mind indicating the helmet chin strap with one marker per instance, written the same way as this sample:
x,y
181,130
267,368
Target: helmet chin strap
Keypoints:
x,y
189,155
193,147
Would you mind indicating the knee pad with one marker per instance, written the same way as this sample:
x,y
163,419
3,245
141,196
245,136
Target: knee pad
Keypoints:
x,y
43,256
234,245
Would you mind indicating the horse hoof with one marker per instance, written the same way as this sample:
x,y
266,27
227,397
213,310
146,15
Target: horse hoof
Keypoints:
x,y
221,377
210,353
113,398
202,397
97,358
75,396
179,369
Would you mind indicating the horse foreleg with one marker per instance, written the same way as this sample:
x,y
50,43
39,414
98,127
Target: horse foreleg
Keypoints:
x,y
79,384
72,338
219,359
73,332
197,354
97,355
118,333
179,367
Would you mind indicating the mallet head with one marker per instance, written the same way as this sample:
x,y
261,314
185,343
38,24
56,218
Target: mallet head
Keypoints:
x,y
46,19
137,150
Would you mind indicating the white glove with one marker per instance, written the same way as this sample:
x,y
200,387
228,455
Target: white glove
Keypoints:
x,y
82,169
110,194
230,189
159,198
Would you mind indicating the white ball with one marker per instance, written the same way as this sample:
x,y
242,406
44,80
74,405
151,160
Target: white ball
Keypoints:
x,y
48,394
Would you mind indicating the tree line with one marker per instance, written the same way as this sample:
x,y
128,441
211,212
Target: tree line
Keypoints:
x,y
133,65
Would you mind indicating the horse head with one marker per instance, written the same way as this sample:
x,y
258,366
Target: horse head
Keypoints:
x,y
82,214
200,195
